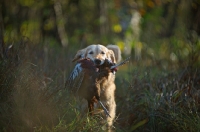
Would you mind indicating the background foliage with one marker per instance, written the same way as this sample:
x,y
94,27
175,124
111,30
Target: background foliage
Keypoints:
x,y
157,91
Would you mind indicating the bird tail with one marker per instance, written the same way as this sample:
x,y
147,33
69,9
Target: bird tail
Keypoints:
x,y
121,63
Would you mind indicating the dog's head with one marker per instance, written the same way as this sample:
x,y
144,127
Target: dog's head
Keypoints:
x,y
98,54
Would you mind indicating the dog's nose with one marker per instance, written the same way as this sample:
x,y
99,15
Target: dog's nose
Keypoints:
x,y
97,61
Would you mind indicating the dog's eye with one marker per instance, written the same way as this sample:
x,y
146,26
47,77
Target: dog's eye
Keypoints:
x,y
91,52
102,52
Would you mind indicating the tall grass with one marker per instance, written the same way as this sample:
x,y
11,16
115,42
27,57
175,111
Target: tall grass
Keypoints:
x,y
165,101
33,96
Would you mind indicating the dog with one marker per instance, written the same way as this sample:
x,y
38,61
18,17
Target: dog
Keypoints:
x,y
98,54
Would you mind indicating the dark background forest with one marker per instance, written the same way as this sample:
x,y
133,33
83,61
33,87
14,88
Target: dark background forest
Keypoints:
x,y
158,90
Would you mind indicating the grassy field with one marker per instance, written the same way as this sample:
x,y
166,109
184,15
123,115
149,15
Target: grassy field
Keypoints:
x,y
148,96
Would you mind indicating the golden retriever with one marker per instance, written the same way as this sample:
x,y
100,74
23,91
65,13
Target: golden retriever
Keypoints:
x,y
98,53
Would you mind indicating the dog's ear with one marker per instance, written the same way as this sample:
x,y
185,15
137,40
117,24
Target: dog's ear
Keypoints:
x,y
80,54
117,52
111,55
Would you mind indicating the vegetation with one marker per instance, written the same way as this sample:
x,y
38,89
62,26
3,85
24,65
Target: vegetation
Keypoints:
x,y
159,90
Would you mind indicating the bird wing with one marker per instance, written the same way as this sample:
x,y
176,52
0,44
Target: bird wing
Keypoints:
x,y
76,71
76,77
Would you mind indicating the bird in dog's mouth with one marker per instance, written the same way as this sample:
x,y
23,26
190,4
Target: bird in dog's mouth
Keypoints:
x,y
97,72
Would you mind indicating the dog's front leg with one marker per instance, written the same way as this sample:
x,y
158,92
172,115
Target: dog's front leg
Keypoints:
x,y
109,100
111,106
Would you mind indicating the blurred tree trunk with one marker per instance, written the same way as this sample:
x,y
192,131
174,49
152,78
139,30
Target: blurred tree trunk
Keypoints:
x,y
196,17
104,23
171,10
60,23
132,39
1,33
